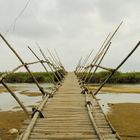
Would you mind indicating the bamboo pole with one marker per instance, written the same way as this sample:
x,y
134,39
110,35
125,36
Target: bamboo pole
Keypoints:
x,y
55,62
92,119
27,132
53,58
99,63
103,47
82,70
108,69
86,72
52,80
18,67
77,67
26,67
86,60
112,73
98,55
56,68
59,60
60,69
49,64
15,97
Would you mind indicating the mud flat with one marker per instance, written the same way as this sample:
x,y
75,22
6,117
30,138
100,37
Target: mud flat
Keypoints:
x,y
125,118
9,120
117,89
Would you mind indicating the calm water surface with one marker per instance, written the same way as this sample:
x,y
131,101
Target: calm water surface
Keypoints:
x,y
113,98
8,103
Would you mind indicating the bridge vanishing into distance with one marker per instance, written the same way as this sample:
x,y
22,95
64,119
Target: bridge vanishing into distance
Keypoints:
x,y
70,111
69,115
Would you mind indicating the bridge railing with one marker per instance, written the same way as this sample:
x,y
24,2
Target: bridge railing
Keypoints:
x,y
86,72
58,72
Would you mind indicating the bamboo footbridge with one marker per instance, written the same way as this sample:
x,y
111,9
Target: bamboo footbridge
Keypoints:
x,y
70,111
68,116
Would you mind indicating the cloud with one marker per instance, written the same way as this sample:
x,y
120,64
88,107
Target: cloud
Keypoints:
x,y
74,28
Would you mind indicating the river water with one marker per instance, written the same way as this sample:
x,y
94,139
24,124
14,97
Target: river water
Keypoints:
x,y
113,98
8,103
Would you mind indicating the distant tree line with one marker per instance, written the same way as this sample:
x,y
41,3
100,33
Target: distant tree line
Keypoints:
x,y
118,77
25,77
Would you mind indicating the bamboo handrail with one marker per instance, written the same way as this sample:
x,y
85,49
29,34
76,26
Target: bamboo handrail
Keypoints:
x,y
106,50
27,132
92,119
16,98
102,49
86,72
112,73
18,67
41,62
24,64
51,66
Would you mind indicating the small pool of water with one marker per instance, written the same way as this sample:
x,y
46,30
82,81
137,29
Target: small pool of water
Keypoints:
x,y
31,87
8,103
113,98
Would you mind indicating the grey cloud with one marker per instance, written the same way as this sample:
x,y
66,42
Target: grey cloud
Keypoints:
x,y
73,27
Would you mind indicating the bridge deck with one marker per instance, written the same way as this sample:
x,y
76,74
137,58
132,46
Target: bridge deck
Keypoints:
x,y
66,116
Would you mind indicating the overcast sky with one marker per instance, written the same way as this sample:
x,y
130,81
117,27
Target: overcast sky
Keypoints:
x,y
72,27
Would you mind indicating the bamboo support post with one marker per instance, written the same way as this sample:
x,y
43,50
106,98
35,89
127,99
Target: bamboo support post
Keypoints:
x,y
92,119
55,62
99,63
15,97
41,62
26,134
59,60
57,70
78,64
49,64
17,68
97,57
102,48
112,73
26,67
86,60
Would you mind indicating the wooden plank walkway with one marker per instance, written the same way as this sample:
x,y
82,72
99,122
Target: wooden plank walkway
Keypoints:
x,y
67,117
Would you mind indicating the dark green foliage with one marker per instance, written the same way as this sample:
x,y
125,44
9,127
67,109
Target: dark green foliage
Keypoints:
x,y
118,77
25,77
59,74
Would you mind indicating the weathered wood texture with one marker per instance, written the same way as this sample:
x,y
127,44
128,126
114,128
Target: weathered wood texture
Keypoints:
x,y
67,118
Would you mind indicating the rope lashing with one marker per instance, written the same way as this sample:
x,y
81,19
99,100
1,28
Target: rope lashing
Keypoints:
x,y
85,90
88,103
34,110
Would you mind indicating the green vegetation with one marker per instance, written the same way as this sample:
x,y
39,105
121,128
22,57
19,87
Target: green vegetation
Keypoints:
x,y
118,77
25,77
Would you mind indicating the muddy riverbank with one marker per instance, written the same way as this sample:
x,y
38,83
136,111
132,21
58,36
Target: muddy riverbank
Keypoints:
x,y
123,109
125,119
117,88
9,120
